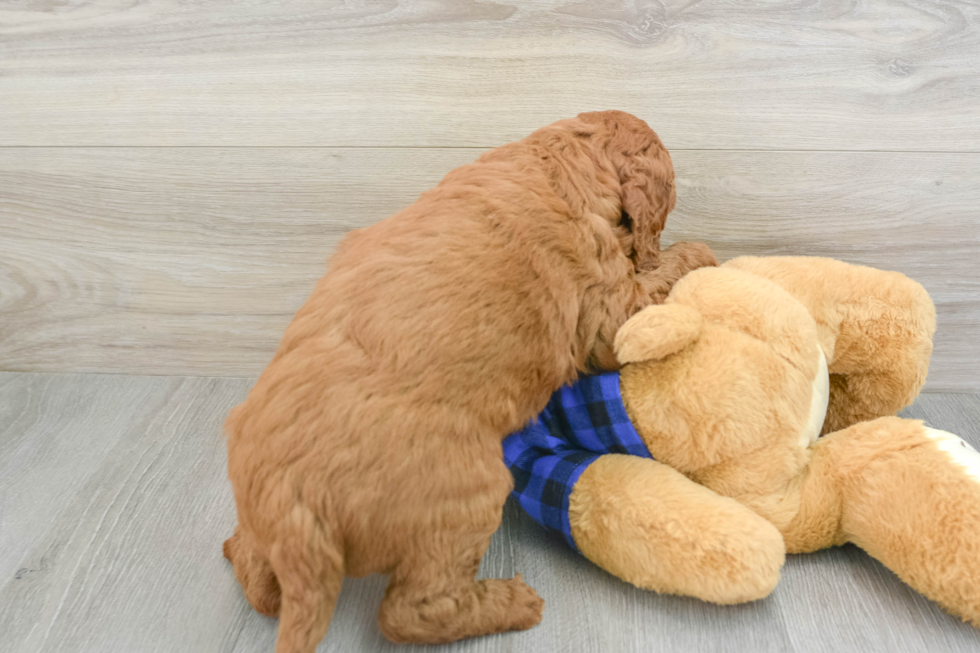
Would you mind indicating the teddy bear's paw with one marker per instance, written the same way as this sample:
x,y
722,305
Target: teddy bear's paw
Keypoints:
x,y
958,450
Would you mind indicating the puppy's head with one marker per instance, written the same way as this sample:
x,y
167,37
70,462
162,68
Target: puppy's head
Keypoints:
x,y
646,178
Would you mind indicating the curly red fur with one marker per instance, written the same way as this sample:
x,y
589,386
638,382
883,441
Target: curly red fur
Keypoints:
x,y
372,441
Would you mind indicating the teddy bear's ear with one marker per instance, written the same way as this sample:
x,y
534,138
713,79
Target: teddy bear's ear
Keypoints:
x,y
657,332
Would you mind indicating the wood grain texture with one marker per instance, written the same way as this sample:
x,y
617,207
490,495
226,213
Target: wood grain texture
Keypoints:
x,y
114,503
826,74
192,260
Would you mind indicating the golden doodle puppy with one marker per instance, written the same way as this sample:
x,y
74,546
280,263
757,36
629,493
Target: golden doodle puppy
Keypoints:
x,y
372,441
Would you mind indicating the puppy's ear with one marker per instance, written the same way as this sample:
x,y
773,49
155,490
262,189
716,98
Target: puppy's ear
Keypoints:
x,y
647,192
656,332
646,180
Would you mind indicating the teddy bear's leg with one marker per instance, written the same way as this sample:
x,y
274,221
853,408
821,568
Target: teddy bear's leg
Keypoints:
x,y
909,496
875,327
651,526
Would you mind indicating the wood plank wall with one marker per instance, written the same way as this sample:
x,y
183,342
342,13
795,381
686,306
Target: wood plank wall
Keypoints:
x,y
173,175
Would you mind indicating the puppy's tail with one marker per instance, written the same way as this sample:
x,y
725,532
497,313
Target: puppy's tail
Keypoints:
x,y
309,564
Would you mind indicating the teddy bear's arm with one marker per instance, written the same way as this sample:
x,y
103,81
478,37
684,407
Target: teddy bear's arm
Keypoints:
x,y
875,327
651,526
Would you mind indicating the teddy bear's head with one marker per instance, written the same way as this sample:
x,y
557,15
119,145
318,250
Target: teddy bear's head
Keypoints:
x,y
711,375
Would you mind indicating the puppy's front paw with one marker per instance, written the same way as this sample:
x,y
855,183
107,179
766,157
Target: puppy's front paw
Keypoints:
x,y
690,256
518,600
527,605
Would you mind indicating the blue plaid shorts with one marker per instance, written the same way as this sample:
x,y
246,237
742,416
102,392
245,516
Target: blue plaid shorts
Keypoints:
x,y
581,422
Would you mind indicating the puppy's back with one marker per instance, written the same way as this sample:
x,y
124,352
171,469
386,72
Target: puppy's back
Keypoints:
x,y
456,315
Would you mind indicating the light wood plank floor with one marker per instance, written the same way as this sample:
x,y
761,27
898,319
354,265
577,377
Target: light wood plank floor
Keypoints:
x,y
114,504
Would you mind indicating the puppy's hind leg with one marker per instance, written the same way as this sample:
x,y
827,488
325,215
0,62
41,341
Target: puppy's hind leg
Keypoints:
x,y
308,562
433,596
254,573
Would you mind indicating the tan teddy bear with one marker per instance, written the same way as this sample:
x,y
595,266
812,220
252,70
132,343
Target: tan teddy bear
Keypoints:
x,y
729,386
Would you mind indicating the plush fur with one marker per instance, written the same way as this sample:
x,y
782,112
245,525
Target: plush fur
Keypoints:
x,y
724,386
372,441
